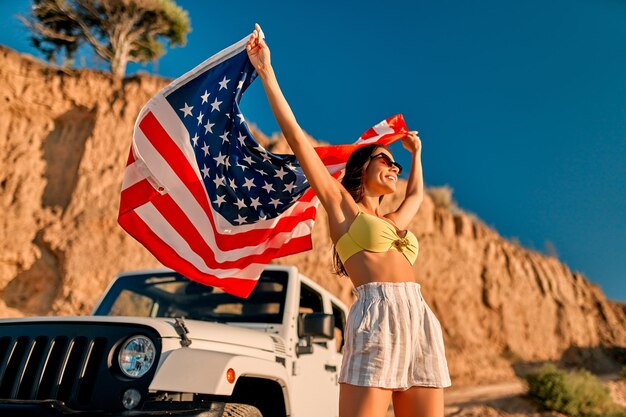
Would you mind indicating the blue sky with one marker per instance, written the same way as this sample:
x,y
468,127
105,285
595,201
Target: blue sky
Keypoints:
x,y
521,106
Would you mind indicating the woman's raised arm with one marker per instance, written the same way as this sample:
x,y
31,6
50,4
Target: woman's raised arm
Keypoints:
x,y
327,188
415,185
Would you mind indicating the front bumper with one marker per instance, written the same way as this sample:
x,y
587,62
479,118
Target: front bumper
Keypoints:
x,y
52,408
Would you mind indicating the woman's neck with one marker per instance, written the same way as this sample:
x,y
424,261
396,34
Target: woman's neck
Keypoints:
x,y
371,203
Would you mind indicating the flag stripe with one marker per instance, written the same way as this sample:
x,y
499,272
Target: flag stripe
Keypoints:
x,y
175,130
295,245
136,195
133,175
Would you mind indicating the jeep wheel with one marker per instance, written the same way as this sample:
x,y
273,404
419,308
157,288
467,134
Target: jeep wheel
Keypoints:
x,y
241,410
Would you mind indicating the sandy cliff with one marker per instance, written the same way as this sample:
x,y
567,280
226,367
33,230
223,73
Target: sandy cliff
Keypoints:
x,y
64,139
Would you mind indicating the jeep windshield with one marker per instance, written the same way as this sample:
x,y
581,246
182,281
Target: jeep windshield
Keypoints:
x,y
172,295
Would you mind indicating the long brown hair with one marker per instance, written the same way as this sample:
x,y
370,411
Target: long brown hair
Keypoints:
x,y
352,181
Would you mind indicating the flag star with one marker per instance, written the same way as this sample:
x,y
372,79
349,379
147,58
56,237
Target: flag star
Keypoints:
x,y
186,110
232,184
218,181
262,217
205,96
220,199
200,116
205,171
228,115
240,84
291,167
266,157
227,162
225,137
243,167
275,202
255,203
240,204
241,118
195,139
208,127
260,149
289,187
240,220
248,159
268,187
223,83
215,105
241,138
249,183
219,160
280,173
205,148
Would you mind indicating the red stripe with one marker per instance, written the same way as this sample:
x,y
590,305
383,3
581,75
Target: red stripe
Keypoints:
x,y
398,124
369,133
136,195
131,157
388,139
138,229
161,141
337,154
295,245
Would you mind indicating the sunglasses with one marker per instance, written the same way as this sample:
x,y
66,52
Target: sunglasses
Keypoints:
x,y
388,161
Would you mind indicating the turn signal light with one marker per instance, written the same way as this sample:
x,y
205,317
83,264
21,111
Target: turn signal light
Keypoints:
x,y
230,375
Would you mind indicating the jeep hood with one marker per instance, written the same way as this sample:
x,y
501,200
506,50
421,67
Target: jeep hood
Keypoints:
x,y
198,330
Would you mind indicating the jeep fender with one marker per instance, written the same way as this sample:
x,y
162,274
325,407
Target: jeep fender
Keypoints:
x,y
203,372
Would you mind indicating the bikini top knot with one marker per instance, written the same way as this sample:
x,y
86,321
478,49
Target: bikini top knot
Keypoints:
x,y
402,242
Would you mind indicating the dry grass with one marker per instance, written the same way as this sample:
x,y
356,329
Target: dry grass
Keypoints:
x,y
442,197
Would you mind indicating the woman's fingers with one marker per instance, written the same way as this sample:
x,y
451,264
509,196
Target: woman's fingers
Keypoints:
x,y
253,42
411,141
414,134
255,38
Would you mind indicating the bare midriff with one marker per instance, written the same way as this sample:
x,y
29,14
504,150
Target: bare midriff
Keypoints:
x,y
391,266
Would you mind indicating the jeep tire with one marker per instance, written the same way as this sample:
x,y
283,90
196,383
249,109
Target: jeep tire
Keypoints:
x,y
241,410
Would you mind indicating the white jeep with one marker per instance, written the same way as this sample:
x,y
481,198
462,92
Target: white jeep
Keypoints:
x,y
160,344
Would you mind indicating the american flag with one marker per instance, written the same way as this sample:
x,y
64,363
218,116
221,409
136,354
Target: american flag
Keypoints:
x,y
203,196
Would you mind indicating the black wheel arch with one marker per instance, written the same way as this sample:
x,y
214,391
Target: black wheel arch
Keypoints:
x,y
265,394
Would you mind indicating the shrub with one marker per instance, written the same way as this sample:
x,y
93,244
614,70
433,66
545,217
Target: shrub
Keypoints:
x,y
511,355
441,196
576,394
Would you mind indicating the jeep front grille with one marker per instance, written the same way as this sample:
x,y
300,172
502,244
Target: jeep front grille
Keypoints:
x,y
49,368
71,362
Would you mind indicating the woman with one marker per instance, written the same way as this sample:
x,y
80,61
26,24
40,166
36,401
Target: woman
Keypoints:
x,y
394,346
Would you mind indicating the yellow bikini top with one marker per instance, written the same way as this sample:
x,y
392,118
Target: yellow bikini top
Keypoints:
x,y
373,234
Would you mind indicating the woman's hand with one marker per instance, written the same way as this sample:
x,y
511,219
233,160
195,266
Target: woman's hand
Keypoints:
x,y
411,142
258,51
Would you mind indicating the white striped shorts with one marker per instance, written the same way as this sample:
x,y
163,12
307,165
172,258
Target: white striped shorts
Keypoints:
x,y
393,339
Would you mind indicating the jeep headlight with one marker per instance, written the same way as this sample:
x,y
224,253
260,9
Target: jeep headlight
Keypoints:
x,y
136,356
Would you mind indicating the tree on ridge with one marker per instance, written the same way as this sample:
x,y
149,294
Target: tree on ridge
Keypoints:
x,y
119,31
